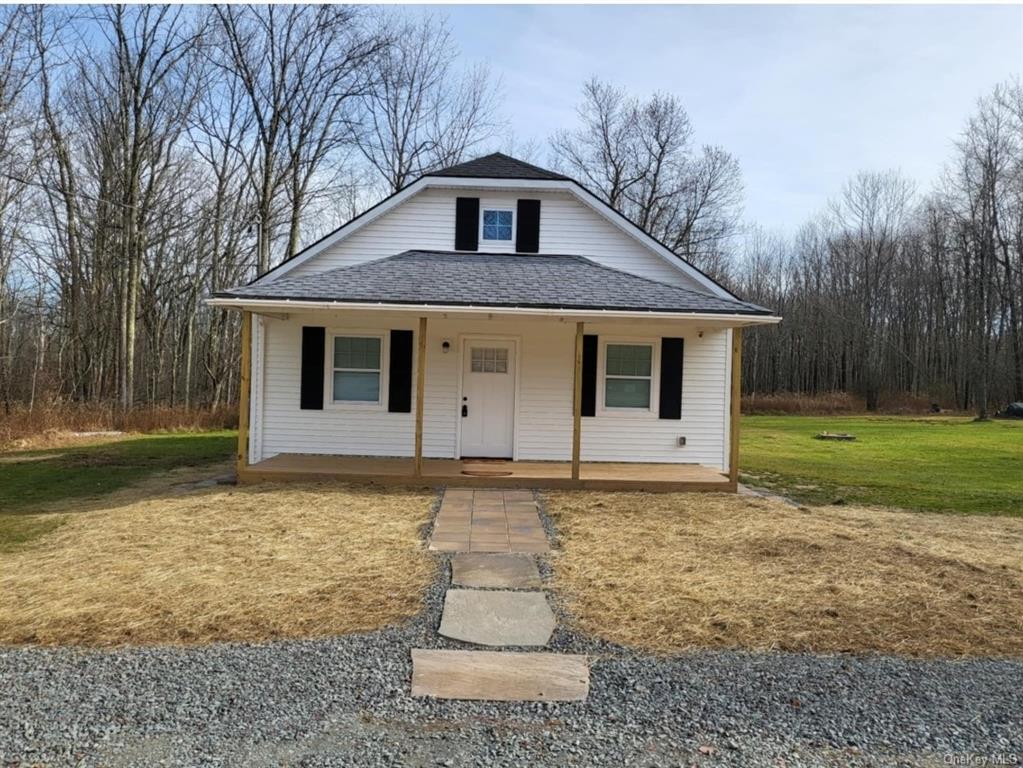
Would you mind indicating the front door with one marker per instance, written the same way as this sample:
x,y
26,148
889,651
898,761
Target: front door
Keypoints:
x,y
488,398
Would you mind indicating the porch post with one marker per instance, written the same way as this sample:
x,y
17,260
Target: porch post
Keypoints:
x,y
243,395
420,390
736,404
577,401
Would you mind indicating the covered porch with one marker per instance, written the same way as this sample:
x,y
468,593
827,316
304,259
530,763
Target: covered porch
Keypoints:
x,y
552,441
468,473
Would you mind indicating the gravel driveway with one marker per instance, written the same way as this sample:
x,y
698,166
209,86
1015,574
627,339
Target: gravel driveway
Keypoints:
x,y
345,702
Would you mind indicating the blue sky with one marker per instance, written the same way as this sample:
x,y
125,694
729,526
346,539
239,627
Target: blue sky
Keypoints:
x,y
805,96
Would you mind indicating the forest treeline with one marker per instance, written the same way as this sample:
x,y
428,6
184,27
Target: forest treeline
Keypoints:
x,y
150,155
892,290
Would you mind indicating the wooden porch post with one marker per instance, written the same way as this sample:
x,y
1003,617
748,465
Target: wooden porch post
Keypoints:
x,y
243,395
577,401
420,390
733,442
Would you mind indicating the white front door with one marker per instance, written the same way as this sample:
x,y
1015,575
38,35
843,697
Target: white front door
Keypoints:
x,y
488,398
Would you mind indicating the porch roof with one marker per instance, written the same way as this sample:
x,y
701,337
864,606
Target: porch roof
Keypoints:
x,y
498,280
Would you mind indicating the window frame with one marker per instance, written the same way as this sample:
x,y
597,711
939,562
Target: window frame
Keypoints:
x,y
380,403
484,209
655,376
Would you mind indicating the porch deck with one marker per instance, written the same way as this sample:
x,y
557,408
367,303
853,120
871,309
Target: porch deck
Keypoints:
x,y
488,474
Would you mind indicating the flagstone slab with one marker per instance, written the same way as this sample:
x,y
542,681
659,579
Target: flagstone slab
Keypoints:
x,y
495,572
499,676
497,617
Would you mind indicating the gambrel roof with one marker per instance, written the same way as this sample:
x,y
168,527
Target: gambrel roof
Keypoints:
x,y
506,173
493,280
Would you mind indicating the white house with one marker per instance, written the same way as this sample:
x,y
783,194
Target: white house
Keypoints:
x,y
492,310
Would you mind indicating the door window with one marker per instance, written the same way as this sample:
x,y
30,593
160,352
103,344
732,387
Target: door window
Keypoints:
x,y
489,360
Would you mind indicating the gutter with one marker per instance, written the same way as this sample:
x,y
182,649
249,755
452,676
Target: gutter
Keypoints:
x,y
288,305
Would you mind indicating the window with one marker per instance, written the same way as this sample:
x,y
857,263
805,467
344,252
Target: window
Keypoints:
x,y
497,225
628,375
489,360
356,369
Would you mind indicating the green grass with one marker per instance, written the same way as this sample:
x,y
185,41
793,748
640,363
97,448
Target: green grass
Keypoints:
x,y
36,486
935,464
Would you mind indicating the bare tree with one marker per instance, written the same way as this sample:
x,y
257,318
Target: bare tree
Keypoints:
x,y
17,161
601,151
420,114
303,70
641,159
871,217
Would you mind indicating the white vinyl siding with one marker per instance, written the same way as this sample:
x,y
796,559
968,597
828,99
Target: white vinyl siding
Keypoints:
x,y
543,423
426,221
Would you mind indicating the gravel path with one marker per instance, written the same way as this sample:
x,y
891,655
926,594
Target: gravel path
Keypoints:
x,y
345,702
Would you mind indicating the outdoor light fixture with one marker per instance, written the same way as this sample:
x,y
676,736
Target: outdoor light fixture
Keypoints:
x,y
446,346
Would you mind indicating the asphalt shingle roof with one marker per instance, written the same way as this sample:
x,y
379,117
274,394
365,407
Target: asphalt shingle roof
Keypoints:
x,y
446,278
498,166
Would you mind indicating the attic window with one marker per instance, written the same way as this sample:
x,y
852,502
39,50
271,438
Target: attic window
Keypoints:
x,y
497,225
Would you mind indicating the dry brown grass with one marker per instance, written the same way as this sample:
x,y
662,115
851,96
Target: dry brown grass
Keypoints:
x,y
55,425
835,403
674,572
230,564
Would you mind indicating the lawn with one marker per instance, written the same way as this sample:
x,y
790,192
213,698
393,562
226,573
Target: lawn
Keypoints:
x,y
670,573
934,464
233,564
36,486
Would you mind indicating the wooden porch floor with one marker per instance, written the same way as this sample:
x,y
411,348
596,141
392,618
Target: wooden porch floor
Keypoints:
x,y
488,474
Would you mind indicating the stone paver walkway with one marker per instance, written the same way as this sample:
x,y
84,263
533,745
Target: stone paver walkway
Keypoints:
x,y
488,521
504,604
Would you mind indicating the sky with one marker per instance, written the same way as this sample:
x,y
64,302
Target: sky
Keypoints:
x,y
804,96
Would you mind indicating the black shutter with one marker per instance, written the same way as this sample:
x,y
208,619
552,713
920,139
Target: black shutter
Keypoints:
x,y
314,352
467,223
672,351
589,375
527,227
399,382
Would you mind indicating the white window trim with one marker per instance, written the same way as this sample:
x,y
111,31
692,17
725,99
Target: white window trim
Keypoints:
x,y
502,209
655,377
360,405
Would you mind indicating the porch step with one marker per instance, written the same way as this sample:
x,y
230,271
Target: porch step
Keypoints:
x,y
499,676
497,617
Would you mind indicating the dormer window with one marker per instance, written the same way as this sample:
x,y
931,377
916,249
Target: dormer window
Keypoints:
x,y
497,225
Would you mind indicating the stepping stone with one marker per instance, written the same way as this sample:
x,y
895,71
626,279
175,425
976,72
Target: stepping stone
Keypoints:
x,y
497,618
495,571
497,676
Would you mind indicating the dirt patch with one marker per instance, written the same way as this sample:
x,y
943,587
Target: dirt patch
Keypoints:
x,y
230,564
671,572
